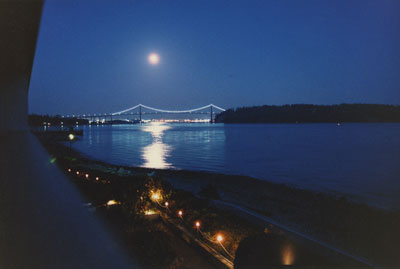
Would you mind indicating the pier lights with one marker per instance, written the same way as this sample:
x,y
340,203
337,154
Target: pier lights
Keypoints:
x,y
180,213
87,175
69,170
197,224
166,204
77,172
97,178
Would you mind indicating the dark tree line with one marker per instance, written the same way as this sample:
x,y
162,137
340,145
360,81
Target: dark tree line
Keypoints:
x,y
40,120
299,113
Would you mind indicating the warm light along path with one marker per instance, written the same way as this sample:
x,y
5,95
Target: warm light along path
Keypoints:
x,y
203,244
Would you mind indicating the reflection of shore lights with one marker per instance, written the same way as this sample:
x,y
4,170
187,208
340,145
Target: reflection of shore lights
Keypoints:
x,y
112,202
71,136
166,204
220,238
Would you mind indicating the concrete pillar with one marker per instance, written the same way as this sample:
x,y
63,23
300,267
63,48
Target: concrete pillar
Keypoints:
x,y
42,221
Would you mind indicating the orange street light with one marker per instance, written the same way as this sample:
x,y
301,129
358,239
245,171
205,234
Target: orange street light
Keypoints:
x,y
197,224
220,238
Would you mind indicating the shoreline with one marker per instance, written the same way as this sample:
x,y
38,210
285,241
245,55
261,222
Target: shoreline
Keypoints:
x,y
195,185
356,228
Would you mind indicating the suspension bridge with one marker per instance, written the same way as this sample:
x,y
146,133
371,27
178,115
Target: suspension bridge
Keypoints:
x,y
138,111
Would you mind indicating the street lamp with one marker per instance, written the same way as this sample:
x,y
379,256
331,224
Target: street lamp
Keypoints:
x,y
220,238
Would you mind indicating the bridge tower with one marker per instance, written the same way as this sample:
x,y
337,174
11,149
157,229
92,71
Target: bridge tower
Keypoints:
x,y
140,113
211,114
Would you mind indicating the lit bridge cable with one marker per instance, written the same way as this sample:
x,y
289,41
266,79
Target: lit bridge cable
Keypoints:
x,y
168,111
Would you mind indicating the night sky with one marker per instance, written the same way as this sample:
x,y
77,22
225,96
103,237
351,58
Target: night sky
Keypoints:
x,y
92,55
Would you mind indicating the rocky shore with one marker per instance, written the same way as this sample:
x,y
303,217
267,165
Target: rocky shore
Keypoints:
x,y
358,229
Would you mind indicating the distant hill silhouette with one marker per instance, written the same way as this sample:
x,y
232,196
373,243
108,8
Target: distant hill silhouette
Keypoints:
x,y
299,113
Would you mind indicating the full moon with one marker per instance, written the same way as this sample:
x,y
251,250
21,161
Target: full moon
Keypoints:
x,y
154,58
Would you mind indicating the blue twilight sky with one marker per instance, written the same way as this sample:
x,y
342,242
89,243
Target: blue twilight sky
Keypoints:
x,y
92,55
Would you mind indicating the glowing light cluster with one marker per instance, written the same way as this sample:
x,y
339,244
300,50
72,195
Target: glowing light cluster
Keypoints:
x,y
156,196
150,212
112,202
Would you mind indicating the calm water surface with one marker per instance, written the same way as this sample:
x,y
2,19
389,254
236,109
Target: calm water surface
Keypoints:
x,y
361,161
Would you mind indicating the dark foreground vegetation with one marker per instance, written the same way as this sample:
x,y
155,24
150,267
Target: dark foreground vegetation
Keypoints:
x,y
300,113
358,229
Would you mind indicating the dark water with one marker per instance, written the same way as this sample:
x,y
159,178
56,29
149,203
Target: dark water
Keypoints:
x,y
359,160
